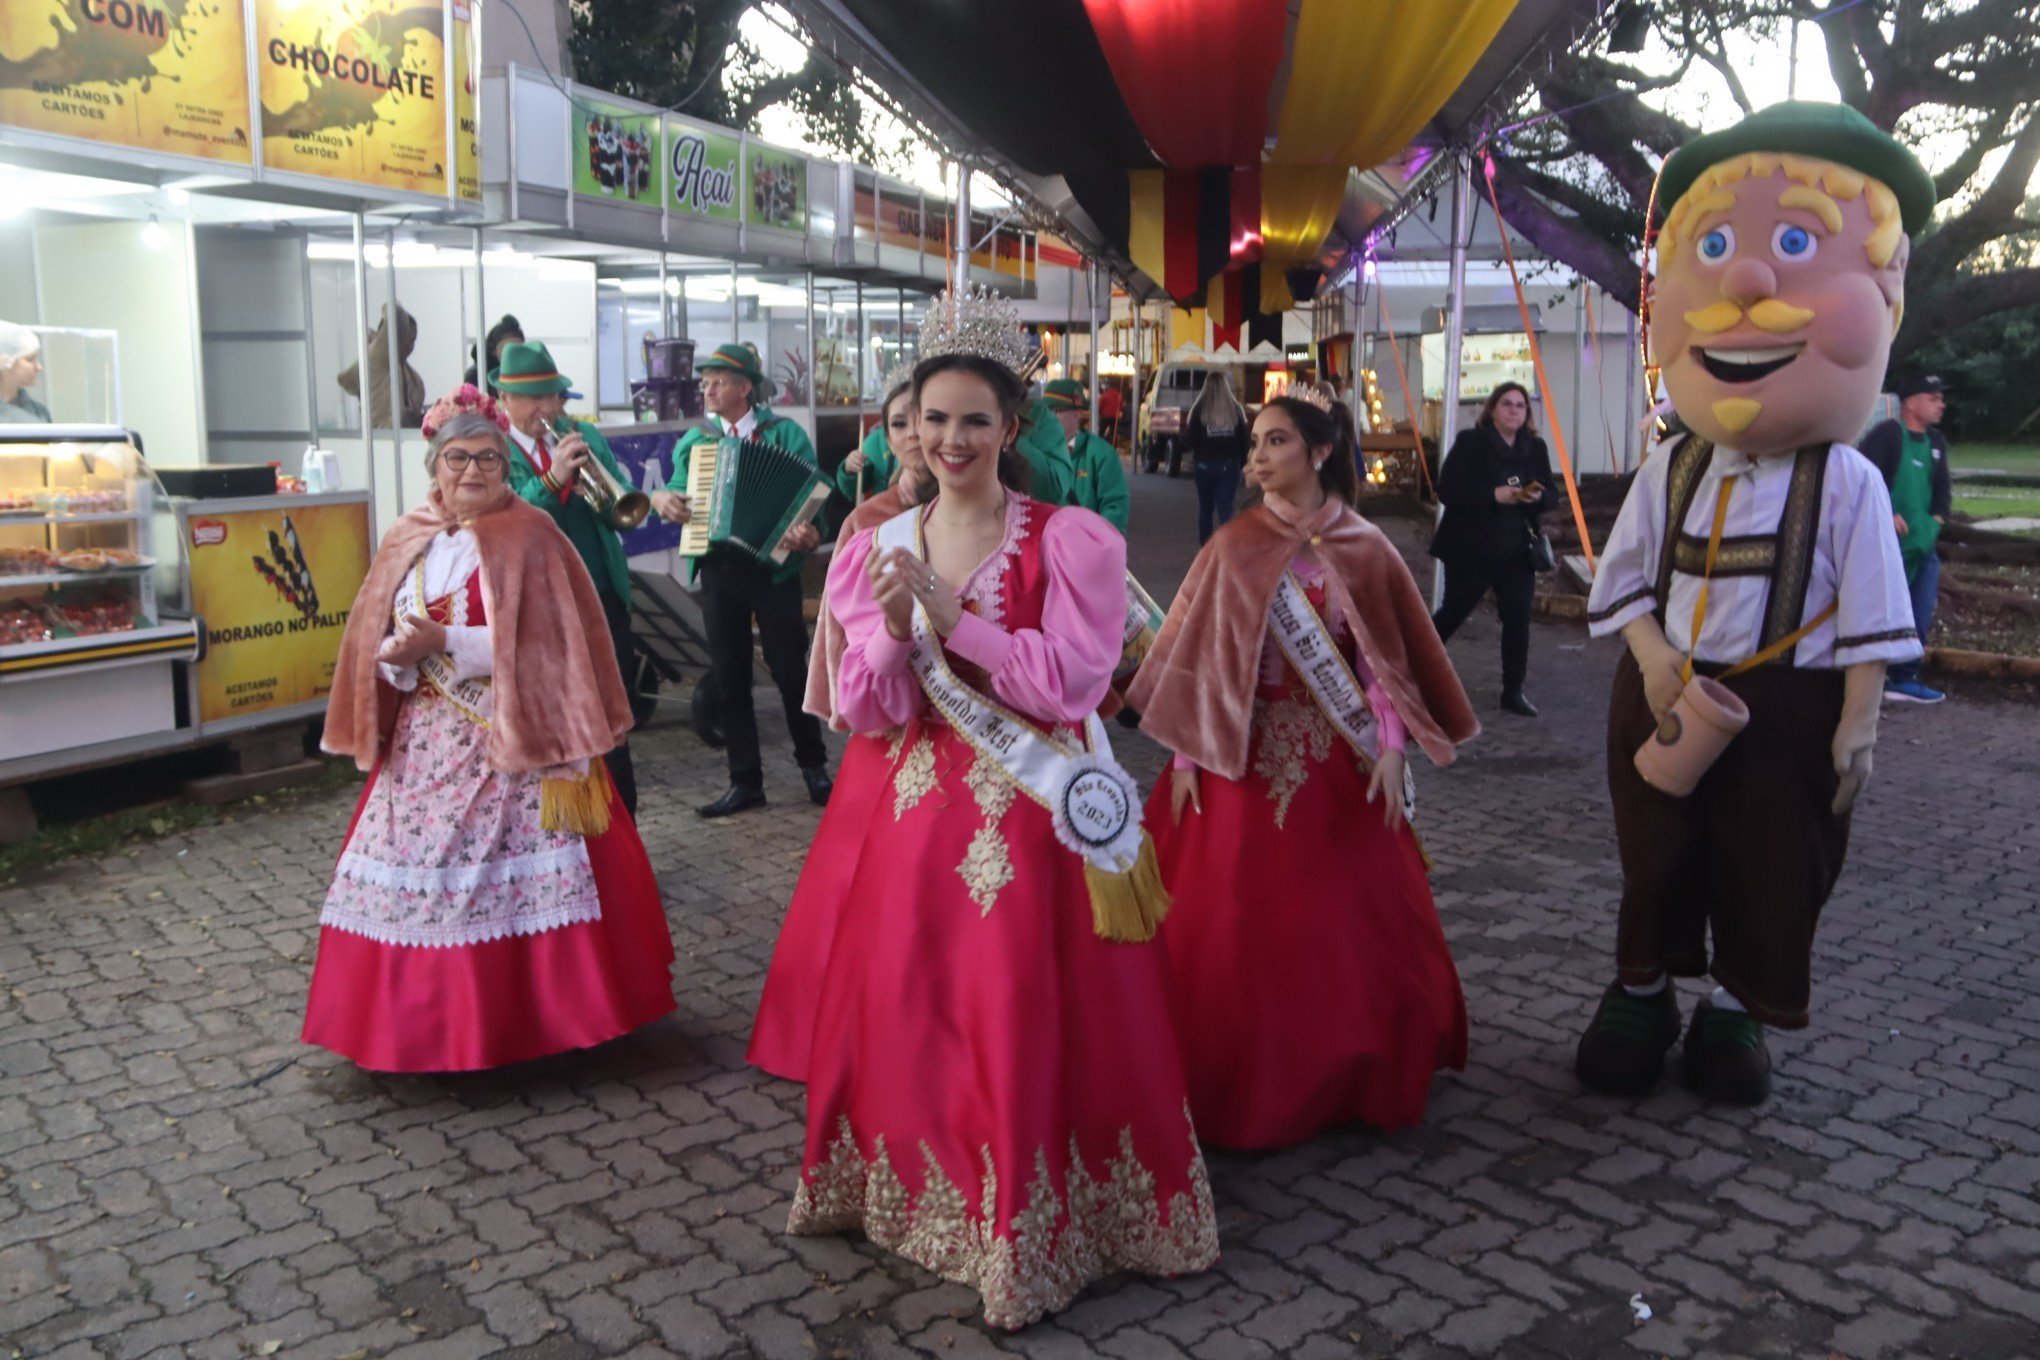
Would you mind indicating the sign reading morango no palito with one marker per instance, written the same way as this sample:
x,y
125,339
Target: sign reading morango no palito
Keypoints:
x,y
354,90
274,587
157,75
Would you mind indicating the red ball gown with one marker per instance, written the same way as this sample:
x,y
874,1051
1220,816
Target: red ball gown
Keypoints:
x,y
1312,976
994,1092
459,932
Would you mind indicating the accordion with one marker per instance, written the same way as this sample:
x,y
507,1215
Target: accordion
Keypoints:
x,y
748,495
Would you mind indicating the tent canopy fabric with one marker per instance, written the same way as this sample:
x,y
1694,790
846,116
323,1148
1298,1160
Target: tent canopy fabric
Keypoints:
x,y
1150,119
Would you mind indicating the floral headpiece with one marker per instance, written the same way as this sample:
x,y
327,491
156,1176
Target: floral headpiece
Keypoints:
x,y
462,400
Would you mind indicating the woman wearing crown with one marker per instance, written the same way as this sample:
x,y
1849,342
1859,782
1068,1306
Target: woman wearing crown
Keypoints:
x,y
994,1090
786,1015
1297,662
492,902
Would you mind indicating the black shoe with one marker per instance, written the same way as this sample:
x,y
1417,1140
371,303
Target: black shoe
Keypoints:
x,y
1726,1060
819,785
1623,1051
1126,717
738,799
1514,702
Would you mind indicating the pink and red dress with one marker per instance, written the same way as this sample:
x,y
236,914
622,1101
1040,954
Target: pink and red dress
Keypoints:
x,y
458,932
1312,978
993,1091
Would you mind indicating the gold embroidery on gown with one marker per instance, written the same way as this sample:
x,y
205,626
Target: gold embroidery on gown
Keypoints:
x,y
1290,735
913,777
1051,1249
988,864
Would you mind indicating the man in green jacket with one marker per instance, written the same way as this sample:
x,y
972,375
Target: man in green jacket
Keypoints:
x,y
736,588
1043,444
547,453
1092,476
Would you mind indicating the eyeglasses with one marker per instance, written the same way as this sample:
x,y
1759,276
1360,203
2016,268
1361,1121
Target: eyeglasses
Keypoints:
x,y
458,459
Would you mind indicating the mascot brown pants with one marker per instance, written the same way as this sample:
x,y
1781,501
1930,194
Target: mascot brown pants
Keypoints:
x,y
1750,855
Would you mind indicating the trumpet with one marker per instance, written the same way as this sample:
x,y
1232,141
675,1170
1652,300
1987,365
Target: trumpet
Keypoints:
x,y
607,496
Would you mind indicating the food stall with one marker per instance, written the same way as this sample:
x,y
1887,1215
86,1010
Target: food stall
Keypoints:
x,y
87,656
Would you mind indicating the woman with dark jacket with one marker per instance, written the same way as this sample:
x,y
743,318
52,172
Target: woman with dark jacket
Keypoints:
x,y
1217,433
1494,485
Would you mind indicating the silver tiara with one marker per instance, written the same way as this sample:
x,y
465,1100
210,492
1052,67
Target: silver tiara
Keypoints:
x,y
979,323
1314,393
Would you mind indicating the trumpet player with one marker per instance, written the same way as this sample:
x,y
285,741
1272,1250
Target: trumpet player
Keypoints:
x,y
547,458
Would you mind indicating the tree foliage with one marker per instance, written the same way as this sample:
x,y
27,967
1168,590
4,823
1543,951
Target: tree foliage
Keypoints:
x,y
1576,178
692,56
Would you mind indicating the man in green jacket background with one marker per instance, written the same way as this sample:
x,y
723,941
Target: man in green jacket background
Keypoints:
x,y
736,588
547,453
1092,476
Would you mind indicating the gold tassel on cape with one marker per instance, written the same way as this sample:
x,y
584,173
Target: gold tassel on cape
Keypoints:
x,y
1128,908
580,806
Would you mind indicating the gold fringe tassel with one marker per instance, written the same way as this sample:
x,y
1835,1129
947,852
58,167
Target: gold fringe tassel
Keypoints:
x,y
580,806
1128,908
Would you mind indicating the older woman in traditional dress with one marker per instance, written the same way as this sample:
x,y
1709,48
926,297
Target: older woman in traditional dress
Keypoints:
x,y
492,902
994,1090
1313,982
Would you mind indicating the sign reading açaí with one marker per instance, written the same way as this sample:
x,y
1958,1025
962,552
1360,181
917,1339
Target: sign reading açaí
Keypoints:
x,y
701,171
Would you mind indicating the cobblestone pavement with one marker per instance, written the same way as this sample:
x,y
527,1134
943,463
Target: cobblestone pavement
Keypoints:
x,y
182,1178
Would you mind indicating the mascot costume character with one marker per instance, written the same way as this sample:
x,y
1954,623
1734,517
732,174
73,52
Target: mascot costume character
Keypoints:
x,y
1755,578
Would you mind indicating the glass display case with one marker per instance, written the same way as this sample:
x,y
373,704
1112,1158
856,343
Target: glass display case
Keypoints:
x,y
84,654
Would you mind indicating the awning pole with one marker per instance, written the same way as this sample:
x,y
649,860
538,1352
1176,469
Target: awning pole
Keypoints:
x,y
1093,289
393,350
481,318
1455,330
961,240
1579,364
361,365
1133,406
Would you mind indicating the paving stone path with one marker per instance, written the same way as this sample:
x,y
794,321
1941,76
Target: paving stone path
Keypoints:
x,y
178,1177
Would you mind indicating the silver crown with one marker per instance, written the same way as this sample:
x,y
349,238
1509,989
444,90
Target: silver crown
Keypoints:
x,y
979,323
1316,394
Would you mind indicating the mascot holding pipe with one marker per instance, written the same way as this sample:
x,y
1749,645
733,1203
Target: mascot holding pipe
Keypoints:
x,y
1755,578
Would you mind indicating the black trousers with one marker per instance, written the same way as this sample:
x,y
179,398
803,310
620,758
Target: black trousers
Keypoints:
x,y
735,590
622,773
1467,582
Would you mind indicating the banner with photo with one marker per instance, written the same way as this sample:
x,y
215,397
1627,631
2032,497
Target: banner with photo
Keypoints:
x,y
168,76
616,151
775,188
702,168
354,90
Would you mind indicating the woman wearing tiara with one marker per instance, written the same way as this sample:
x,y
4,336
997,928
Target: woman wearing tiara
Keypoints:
x,y
1297,662
994,1090
786,1016
492,902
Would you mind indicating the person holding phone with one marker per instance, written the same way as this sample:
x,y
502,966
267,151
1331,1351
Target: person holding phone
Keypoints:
x,y
1495,484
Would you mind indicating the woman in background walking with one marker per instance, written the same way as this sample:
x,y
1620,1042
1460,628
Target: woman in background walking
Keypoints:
x,y
1217,435
1495,484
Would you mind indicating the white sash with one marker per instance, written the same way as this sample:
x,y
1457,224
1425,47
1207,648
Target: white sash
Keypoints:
x,y
470,696
1092,802
1308,644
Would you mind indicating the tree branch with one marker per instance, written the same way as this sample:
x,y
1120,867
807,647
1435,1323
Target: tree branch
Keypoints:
x,y
1995,212
1961,301
1565,238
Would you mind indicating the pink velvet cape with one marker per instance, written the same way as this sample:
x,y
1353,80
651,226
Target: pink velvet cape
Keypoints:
x,y
825,658
558,695
1195,689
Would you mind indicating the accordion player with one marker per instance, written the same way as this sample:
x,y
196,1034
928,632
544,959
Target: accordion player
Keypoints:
x,y
749,495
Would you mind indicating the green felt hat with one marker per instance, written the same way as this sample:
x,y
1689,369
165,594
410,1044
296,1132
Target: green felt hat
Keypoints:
x,y
735,358
1800,127
528,370
1066,394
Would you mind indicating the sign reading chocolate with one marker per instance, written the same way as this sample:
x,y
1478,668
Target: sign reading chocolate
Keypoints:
x,y
353,90
170,76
